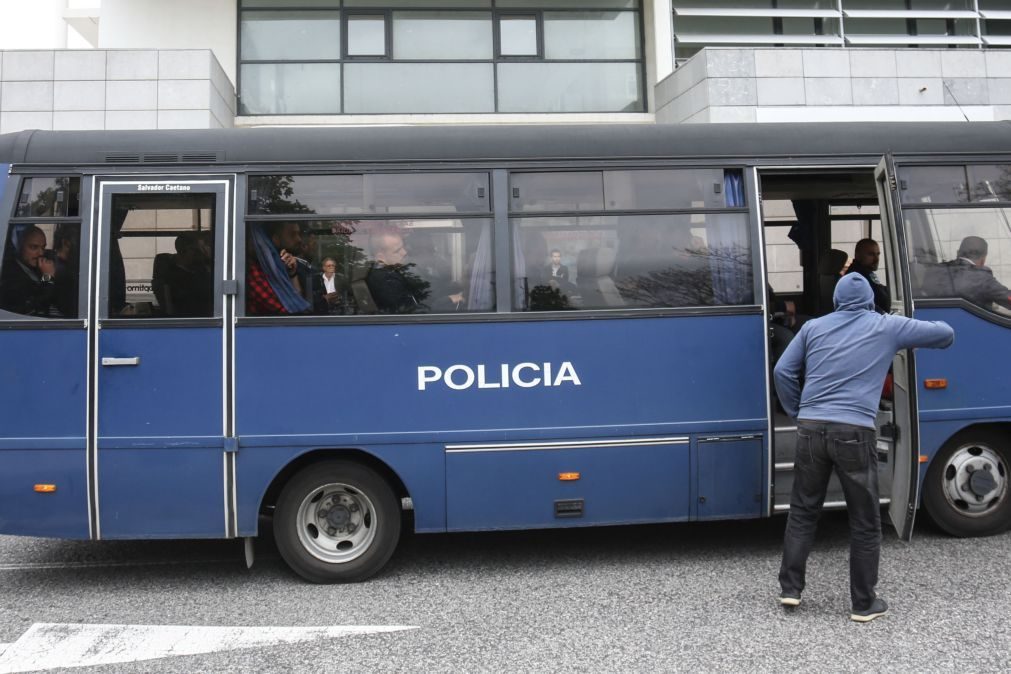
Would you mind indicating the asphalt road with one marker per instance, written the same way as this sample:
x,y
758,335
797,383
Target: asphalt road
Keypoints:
x,y
695,597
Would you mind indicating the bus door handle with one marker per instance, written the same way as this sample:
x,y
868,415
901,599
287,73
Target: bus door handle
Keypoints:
x,y
110,362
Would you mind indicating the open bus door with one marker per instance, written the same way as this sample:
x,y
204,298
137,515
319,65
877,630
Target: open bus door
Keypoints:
x,y
906,444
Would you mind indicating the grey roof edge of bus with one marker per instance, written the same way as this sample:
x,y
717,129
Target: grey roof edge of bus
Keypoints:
x,y
513,142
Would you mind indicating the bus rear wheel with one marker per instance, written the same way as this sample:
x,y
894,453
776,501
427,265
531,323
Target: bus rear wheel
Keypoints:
x,y
966,491
336,522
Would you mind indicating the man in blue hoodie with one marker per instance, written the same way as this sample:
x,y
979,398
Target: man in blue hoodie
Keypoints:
x,y
842,359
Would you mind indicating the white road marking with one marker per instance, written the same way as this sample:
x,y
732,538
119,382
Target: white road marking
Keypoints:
x,y
55,645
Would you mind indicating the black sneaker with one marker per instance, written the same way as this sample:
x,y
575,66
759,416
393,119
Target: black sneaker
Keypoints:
x,y
789,600
878,608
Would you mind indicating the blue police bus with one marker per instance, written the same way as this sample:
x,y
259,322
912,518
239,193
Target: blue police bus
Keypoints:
x,y
478,328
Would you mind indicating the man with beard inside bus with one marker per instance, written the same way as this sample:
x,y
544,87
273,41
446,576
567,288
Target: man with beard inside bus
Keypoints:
x,y
27,285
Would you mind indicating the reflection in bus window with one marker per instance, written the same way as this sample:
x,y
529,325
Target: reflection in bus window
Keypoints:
x,y
346,267
369,193
961,252
161,256
40,269
633,261
49,197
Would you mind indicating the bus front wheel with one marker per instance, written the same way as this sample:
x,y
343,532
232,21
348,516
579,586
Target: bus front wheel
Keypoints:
x,y
966,491
336,522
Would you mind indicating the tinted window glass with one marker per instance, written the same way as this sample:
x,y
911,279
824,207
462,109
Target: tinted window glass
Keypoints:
x,y
40,269
442,35
933,184
161,256
428,193
961,252
591,35
517,35
290,35
627,190
348,267
49,197
418,87
990,182
324,195
366,35
572,191
607,262
374,193
569,87
290,88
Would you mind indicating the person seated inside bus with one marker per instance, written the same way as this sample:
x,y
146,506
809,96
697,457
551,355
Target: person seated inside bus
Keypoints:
x,y
445,294
66,252
189,280
330,291
274,281
391,281
968,277
27,284
866,257
556,271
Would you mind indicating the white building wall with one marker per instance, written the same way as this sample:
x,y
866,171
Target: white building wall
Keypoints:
x,y
743,84
179,24
114,89
35,24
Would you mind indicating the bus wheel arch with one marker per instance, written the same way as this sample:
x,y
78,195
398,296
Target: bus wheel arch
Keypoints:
x,y
337,515
967,488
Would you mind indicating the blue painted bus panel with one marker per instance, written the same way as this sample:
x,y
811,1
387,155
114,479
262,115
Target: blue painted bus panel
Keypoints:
x,y
43,384
420,467
176,390
731,478
360,381
43,393
60,514
162,493
978,384
519,489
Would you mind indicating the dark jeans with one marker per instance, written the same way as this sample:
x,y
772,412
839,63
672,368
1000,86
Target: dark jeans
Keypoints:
x,y
851,450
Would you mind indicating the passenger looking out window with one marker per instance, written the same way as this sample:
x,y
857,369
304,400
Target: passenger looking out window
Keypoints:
x,y
330,291
277,282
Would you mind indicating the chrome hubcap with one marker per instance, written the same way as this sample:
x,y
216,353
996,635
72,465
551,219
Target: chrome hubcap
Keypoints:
x,y
336,523
975,480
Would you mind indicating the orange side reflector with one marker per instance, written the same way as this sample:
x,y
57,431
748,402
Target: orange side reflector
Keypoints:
x,y
568,477
924,458
45,488
935,383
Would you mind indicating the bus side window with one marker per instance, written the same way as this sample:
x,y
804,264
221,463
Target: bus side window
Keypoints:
x,y
161,256
961,253
40,269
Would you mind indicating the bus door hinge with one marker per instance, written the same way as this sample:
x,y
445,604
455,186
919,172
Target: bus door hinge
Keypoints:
x,y
230,287
231,444
890,431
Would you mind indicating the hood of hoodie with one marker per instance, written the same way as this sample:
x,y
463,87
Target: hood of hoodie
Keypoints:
x,y
853,293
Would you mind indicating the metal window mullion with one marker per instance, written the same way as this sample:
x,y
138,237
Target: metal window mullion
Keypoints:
x,y
502,241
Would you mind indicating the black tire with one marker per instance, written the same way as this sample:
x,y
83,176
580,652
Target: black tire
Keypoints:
x,y
337,522
959,506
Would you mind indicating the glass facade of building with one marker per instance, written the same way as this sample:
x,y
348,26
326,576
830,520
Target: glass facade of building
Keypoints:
x,y
440,56
840,23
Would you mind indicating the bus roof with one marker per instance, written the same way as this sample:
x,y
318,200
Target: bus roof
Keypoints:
x,y
502,142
